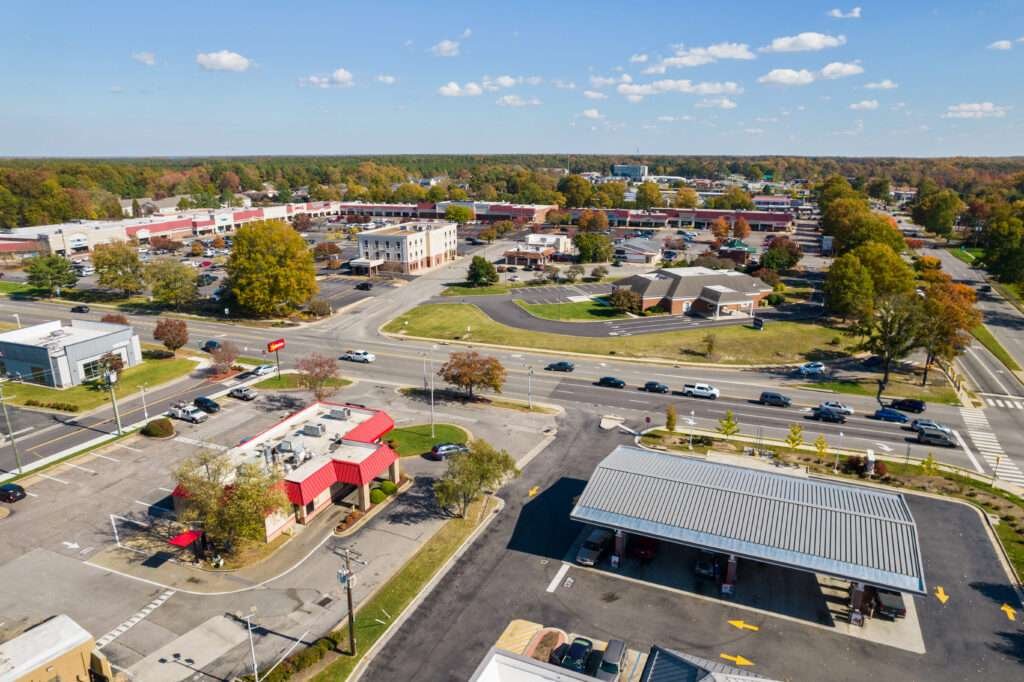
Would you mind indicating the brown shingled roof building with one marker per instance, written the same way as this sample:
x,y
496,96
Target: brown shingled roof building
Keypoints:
x,y
702,291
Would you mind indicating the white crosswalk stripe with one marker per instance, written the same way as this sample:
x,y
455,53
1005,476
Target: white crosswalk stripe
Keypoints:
x,y
1005,403
128,624
988,445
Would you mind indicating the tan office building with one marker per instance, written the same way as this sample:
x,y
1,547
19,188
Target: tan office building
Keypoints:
x,y
56,649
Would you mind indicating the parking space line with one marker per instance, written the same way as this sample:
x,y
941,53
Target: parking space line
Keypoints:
x,y
31,494
53,478
557,580
128,447
166,490
107,457
78,466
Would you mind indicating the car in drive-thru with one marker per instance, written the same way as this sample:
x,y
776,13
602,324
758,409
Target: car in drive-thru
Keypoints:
x,y
576,657
594,547
930,435
642,547
889,604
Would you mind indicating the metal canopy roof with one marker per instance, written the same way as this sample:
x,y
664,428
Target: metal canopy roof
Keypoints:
x,y
848,531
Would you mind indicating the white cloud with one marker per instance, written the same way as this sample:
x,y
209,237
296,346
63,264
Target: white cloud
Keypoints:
x,y
453,89
1000,45
841,70
753,131
787,77
563,84
147,58
224,60
882,85
698,56
517,101
386,79
592,114
446,48
635,91
975,110
717,103
605,81
594,94
638,58
499,82
466,33
340,78
533,80
1021,39
865,105
116,89
840,14
674,119
808,41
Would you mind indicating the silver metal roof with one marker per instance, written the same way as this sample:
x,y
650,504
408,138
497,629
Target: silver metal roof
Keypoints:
x,y
848,531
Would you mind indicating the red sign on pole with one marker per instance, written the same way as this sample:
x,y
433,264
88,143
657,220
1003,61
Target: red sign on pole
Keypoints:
x,y
275,345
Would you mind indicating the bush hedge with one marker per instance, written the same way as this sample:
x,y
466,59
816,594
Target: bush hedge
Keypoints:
x,y
377,496
388,487
63,407
776,299
159,428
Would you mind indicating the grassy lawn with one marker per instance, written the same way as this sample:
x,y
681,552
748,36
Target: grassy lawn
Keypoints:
x,y
412,441
14,287
967,255
463,290
985,338
251,360
902,385
290,382
150,373
594,310
780,342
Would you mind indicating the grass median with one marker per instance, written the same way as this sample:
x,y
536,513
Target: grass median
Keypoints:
x,y
901,384
593,310
778,343
290,382
412,441
985,338
969,256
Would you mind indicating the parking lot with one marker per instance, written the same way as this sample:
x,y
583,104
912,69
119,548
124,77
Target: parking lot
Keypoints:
x,y
560,294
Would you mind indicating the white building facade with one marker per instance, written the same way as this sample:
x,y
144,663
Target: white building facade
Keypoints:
x,y
410,248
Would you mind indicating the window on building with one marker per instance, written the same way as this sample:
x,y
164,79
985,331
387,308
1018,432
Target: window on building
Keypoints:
x,y
92,370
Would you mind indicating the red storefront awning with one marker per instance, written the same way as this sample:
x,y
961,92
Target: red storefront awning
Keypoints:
x,y
186,539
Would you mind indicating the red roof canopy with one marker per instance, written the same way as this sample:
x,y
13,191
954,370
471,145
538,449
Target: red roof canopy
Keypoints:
x,y
371,429
185,539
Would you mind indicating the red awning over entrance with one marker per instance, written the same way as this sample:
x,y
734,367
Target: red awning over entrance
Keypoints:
x,y
185,539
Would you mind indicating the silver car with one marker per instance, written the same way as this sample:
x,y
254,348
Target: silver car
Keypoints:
x,y
594,547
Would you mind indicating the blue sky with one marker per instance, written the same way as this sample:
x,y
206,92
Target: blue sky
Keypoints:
x,y
900,78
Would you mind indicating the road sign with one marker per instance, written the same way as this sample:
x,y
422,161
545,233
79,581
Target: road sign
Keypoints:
x,y
275,345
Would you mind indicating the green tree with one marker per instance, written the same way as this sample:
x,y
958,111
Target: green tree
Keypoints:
x,y
459,214
733,198
938,211
600,272
576,189
408,193
593,248
625,300
648,195
573,272
318,374
821,447
271,270
230,502
795,437
889,273
686,198
833,188
118,267
468,370
50,272
610,195
172,282
879,188
727,425
891,330
481,272
848,289
470,474
670,418
783,254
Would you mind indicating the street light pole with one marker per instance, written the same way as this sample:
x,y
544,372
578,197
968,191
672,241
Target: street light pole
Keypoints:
x,y
529,388
835,468
111,381
252,647
145,412
10,431
432,431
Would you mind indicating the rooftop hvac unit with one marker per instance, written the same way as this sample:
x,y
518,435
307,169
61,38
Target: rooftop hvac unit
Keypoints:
x,y
314,430
342,414
285,446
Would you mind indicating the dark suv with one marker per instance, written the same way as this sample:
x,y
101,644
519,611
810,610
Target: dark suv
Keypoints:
x,y
655,387
908,405
208,405
824,414
772,398
561,366
611,382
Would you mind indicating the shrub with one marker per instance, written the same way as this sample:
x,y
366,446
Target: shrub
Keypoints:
x,y
835,341
377,496
388,487
881,469
319,307
56,405
775,298
158,428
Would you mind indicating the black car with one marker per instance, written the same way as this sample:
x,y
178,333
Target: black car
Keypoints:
x,y
561,366
655,387
824,414
364,286
208,405
707,567
611,382
908,405
576,658
210,346
80,309
11,492
772,398
985,288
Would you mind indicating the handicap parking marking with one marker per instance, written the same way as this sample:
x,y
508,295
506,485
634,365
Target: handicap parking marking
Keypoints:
x,y
557,580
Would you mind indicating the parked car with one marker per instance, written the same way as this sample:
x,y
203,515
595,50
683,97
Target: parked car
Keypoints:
x,y
80,309
812,369
700,391
838,407
441,451
262,370
889,604
611,382
642,547
594,547
655,387
611,660
930,435
909,405
207,405
188,413
887,414
871,362
773,398
576,658
826,414
364,286
210,346
707,567
363,356
11,492
242,393
561,366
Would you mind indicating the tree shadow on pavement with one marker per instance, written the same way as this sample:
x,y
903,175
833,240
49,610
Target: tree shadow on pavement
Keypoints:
x,y
415,505
1011,644
275,402
998,593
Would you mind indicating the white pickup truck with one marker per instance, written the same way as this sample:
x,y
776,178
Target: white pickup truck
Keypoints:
x,y
188,413
700,391
358,356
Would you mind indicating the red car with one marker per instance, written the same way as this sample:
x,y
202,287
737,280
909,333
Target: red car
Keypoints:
x,y
642,547
206,263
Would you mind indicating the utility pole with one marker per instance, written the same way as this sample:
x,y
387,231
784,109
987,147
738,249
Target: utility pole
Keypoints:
x,y
10,431
529,388
347,578
111,382
252,645
145,412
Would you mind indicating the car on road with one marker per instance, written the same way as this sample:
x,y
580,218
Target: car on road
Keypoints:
x,y
262,370
561,366
207,405
700,391
611,661
909,405
80,309
594,547
985,288
442,451
928,435
837,406
210,346
242,393
11,492
919,424
611,382
773,398
363,356
655,387
812,369
188,413
576,657
825,414
364,286
887,414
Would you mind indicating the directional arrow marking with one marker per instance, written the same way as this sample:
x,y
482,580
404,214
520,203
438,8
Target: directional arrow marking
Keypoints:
x,y
534,490
738,660
940,594
743,625
1011,613
70,545
883,447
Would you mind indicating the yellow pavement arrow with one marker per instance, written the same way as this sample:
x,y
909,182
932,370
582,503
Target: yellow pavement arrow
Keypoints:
x,y
1011,613
940,594
743,625
738,660
534,490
